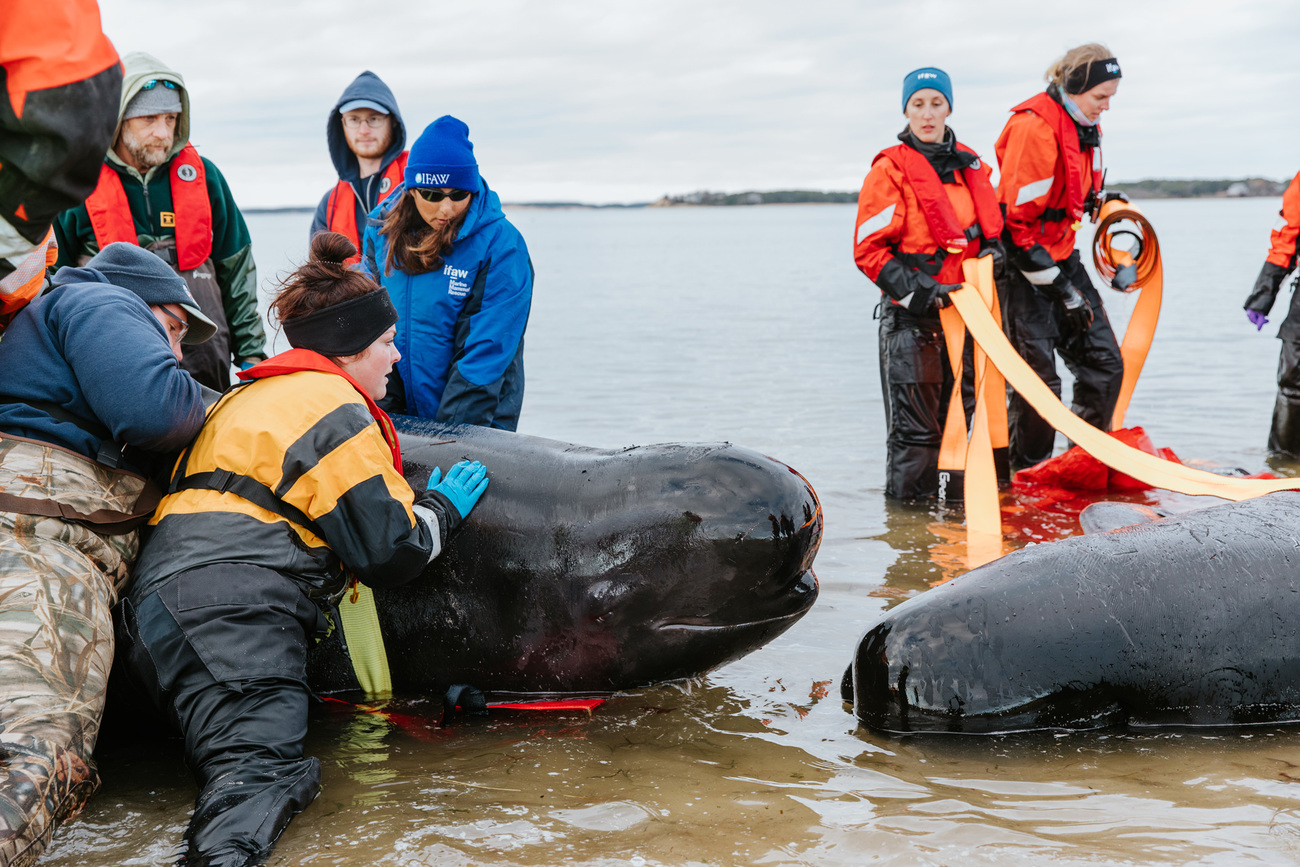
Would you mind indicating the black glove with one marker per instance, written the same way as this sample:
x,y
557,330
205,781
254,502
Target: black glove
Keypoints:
x,y
1266,288
917,291
993,247
1124,277
1076,311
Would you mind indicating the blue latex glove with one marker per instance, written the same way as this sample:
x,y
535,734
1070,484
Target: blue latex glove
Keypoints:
x,y
1259,320
465,483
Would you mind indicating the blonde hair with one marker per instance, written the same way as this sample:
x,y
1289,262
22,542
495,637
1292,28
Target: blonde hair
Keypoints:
x,y
1073,60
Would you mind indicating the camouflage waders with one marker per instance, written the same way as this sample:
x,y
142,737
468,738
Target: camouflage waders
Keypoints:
x,y
58,582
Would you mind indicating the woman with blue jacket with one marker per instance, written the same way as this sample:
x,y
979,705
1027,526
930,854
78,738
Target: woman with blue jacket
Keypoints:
x,y
460,277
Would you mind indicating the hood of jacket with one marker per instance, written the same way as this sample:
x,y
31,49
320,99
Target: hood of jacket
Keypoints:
x,y
369,86
68,275
138,68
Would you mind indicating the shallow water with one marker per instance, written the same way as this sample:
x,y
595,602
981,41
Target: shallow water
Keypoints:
x,y
752,325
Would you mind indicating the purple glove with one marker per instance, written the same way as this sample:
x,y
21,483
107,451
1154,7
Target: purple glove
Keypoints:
x,y
1259,320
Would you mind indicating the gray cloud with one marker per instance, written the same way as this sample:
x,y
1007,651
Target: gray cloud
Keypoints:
x,y
609,101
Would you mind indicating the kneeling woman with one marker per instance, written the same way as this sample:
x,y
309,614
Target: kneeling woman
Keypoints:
x,y
926,205
294,482
459,273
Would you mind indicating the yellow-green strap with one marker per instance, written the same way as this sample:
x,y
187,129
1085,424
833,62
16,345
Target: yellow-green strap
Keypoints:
x,y
365,641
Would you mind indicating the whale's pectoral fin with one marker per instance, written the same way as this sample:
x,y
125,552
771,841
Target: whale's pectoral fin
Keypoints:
x,y
1106,516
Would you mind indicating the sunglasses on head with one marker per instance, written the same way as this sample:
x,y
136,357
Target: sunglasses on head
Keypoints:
x,y
154,82
430,194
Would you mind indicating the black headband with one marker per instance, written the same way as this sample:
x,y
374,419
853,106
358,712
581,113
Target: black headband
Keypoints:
x,y
1085,78
343,329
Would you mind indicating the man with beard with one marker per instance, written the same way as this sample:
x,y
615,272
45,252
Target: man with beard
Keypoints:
x,y
366,136
156,191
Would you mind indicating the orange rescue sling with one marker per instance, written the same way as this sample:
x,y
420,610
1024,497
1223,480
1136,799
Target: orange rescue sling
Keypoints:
x,y
341,209
111,218
1075,160
937,208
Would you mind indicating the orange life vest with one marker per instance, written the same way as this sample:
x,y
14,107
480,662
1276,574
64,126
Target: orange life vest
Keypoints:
x,y
948,233
341,209
111,218
1067,139
294,360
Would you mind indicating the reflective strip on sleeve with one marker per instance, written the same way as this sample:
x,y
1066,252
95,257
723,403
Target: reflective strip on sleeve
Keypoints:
x,y
1044,277
875,224
1029,192
430,519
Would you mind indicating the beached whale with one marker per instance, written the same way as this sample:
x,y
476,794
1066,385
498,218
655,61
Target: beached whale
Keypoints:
x,y
588,570
1189,620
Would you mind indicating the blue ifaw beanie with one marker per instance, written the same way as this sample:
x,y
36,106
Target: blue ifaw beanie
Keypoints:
x,y
926,77
443,156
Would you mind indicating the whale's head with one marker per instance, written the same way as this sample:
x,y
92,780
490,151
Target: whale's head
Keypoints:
x,y
590,570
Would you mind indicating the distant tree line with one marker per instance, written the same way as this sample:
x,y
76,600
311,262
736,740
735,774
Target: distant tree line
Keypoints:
x,y
1146,189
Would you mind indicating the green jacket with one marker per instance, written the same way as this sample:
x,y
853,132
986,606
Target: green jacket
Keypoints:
x,y
149,195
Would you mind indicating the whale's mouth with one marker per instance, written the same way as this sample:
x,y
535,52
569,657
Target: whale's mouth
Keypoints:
x,y
703,625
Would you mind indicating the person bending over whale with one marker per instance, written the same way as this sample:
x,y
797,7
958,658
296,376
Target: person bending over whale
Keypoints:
x,y
293,484
71,498
460,273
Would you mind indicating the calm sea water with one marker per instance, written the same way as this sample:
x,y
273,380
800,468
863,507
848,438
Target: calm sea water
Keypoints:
x,y
752,325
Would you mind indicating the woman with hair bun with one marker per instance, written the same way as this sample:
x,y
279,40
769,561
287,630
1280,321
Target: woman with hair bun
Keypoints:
x,y
1049,156
293,484
460,274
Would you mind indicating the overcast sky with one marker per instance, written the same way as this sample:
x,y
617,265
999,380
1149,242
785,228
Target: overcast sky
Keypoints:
x,y
606,101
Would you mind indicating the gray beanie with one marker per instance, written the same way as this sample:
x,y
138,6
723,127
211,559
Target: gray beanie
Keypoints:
x,y
159,99
137,270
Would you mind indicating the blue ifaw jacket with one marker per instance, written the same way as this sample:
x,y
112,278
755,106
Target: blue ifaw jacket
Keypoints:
x,y
461,329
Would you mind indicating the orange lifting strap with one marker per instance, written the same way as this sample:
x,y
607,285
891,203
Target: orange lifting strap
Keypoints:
x,y
1125,237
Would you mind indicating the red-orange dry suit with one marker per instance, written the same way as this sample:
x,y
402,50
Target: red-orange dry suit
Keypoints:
x,y
1050,167
915,226
1284,434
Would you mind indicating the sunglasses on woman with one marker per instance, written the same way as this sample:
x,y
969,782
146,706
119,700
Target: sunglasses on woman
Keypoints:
x,y
430,194
154,82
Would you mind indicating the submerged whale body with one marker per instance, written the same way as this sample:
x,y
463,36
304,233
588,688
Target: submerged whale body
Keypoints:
x,y
587,570
1191,620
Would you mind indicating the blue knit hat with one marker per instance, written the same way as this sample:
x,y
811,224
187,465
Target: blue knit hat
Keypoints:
x,y
926,77
443,156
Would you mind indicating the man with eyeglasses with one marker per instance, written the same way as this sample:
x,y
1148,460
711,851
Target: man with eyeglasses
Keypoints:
x,y
156,191
366,139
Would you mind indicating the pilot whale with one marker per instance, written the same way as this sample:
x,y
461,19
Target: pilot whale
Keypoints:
x,y
1188,620
586,570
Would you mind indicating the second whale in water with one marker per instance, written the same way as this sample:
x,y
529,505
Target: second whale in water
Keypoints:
x,y
1191,620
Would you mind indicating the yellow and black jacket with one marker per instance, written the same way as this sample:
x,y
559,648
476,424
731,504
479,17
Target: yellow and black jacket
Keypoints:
x,y
292,473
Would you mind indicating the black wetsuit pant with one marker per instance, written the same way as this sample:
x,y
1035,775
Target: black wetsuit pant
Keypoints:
x,y
1284,435
1033,324
916,383
222,652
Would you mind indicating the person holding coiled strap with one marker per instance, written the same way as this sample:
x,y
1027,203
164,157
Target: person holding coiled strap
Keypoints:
x,y
1049,156
293,484
1284,435
926,205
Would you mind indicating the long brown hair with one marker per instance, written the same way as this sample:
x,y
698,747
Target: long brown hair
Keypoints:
x,y
415,247
323,280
